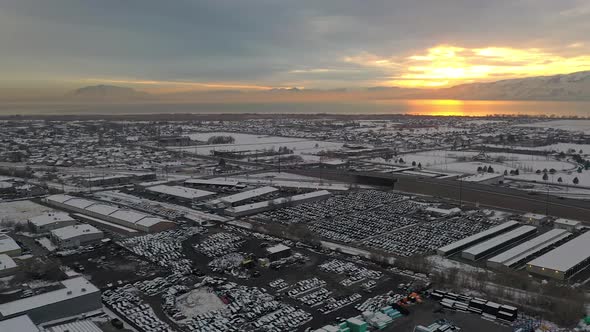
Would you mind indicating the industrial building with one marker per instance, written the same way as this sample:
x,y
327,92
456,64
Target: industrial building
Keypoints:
x,y
457,246
76,235
180,193
18,324
50,221
234,199
567,224
125,217
277,252
494,244
77,296
213,182
249,209
118,179
564,261
485,178
8,246
523,252
7,266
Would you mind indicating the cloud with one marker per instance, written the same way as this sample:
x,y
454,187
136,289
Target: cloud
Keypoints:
x,y
451,65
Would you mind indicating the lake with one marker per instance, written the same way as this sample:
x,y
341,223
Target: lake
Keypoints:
x,y
397,106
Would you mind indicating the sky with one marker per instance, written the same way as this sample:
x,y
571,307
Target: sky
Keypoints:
x,y
160,46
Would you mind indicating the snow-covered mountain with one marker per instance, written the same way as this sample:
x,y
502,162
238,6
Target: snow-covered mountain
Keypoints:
x,y
575,86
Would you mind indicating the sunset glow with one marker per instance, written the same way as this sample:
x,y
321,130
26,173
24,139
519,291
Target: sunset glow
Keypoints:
x,y
448,65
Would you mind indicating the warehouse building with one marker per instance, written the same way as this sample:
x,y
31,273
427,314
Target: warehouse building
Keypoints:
x,y
277,252
213,182
118,179
77,296
7,266
457,246
494,244
564,261
567,224
8,246
233,200
523,252
18,324
50,221
180,193
250,209
76,235
124,217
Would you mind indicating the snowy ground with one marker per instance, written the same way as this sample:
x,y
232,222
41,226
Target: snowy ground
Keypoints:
x,y
198,301
303,147
558,147
571,125
21,211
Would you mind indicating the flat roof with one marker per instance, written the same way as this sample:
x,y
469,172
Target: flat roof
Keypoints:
x,y
73,288
213,182
6,262
7,244
179,191
530,247
18,324
481,177
73,231
279,201
49,218
568,222
76,326
499,240
278,248
476,237
245,195
565,256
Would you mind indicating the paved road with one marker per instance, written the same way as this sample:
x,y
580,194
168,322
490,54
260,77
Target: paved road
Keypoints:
x,y
484,195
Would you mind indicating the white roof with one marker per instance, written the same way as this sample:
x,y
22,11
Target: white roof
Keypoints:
x,y
443,211
278,248
7,244
499,240
248,194
536,216
150,221
50,218
567,222
73,231
18,324
476,237
73,288
59,198
6,262
530,247
481,177
565,256
183,192
79,203
102,209
128,215
213,182
279,201
76,326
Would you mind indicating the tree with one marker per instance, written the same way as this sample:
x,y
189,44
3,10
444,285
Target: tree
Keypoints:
x,y
420,165
401,161
576,180
559,179
490,169
413,163
516,172
479,169
506,172
221,162
545,177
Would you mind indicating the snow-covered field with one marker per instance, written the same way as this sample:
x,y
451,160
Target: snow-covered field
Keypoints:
x,y
303,147
558,147
571,125
21,211
198,301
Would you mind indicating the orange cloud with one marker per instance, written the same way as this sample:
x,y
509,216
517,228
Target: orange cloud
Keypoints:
x,y
447,65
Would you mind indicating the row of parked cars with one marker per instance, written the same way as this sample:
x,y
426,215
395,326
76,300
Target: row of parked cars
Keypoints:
x,y
125,301
219,244
350,269
338,205
304,286
332,304
428,236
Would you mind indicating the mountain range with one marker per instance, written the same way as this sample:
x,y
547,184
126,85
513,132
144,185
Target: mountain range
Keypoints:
x,y
574,86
